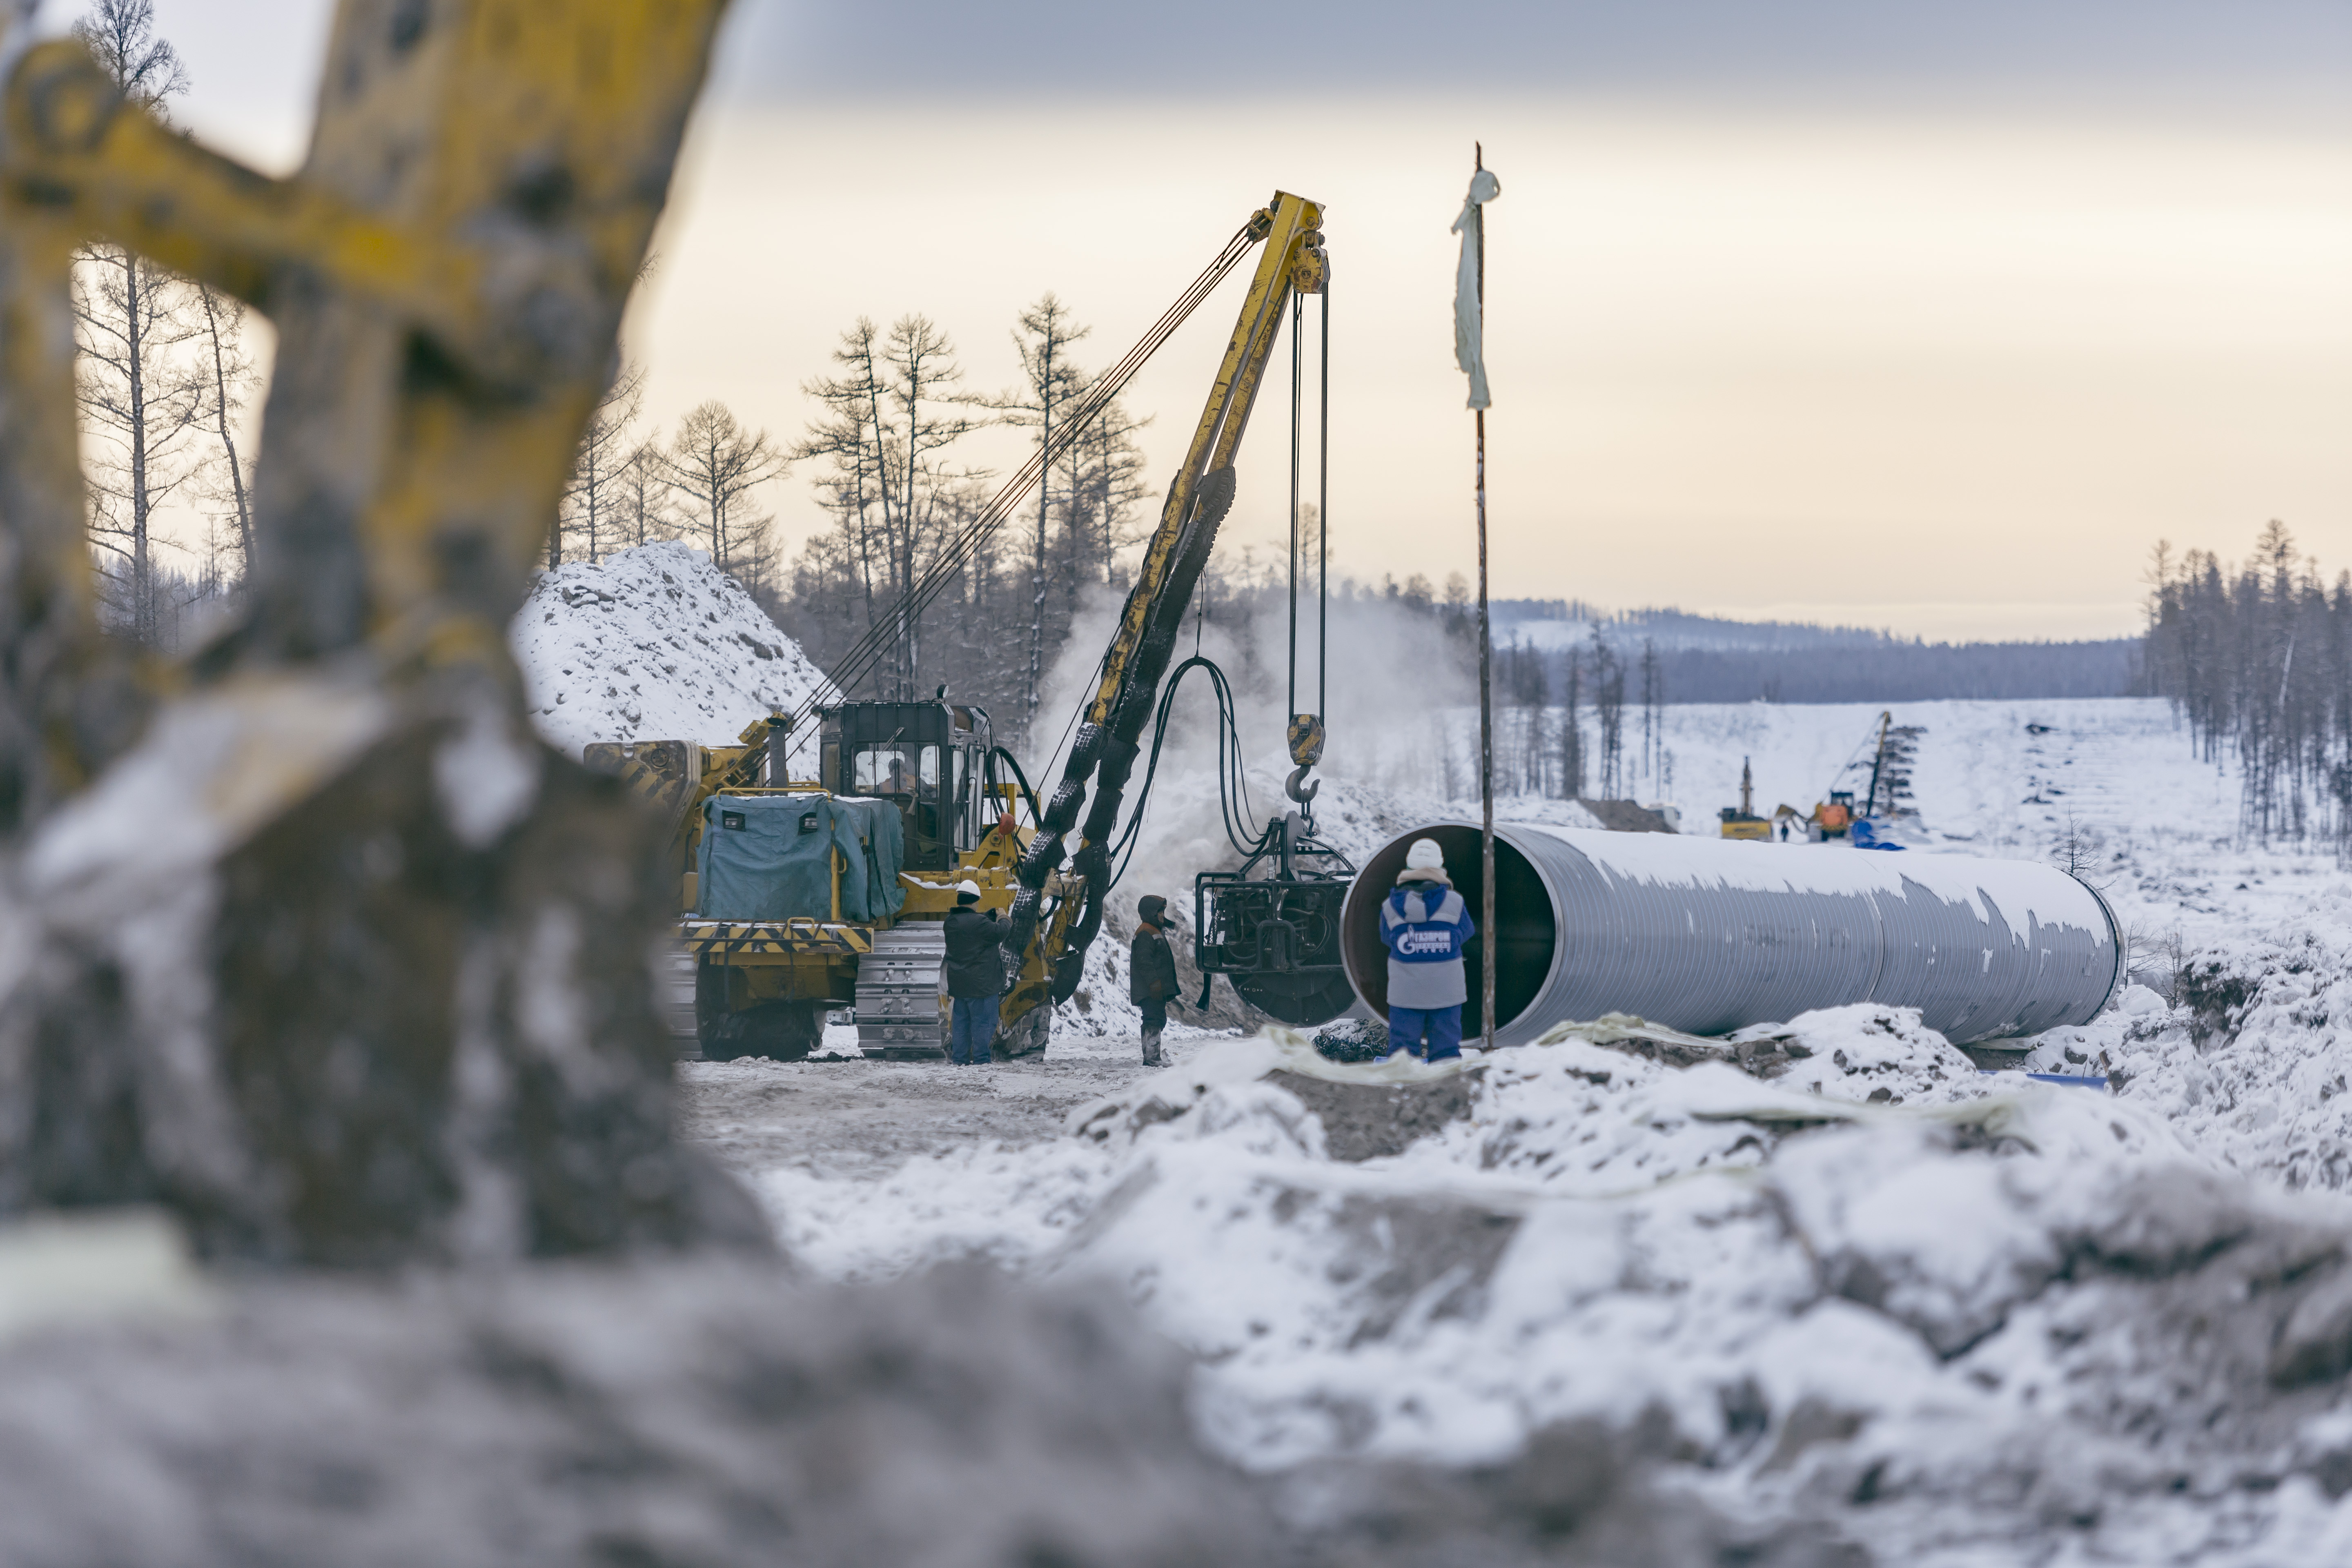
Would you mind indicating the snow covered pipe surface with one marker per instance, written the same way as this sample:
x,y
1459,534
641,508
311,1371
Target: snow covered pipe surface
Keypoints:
x,y
1709,935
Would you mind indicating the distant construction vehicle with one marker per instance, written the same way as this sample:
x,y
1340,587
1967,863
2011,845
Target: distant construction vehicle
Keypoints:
x,y
1892,748
1832,819
1741,821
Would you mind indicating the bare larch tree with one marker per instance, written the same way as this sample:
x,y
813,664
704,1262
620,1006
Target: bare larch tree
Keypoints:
x,y
1050,382
713,461
591,498
140,395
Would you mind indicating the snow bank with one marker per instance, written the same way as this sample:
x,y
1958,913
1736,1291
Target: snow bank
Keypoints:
x,y
2253,1067
1991,1315
653,644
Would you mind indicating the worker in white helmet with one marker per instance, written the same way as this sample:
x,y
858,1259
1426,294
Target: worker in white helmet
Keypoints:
x,y
975,976
1426,924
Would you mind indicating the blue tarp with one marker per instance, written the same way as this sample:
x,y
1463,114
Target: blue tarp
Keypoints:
x,y
768,857
1866,836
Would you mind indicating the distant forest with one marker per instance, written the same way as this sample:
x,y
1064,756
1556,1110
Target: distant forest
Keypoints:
x,y
2258,657
1904,672
1708,659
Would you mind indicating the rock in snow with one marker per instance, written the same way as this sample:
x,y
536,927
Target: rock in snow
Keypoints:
x,y
653,644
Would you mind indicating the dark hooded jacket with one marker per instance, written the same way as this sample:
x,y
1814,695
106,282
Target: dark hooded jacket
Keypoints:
x,y
1150,965
975,965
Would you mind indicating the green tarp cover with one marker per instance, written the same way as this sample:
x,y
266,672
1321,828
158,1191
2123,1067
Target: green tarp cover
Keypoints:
x,y
871,834
765,858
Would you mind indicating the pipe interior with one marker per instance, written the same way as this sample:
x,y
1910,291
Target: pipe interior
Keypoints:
x,y
1523,914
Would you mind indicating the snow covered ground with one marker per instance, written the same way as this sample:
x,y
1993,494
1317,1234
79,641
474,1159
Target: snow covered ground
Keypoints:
x,y
1827,1275
1974,1321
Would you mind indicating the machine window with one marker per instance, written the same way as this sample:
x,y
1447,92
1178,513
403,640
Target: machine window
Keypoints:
x,y
897,770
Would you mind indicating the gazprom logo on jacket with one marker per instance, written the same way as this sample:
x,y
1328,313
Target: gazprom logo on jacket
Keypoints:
x,y
1413,942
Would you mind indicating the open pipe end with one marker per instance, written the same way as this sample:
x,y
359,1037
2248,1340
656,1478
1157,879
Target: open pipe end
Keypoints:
x,y
1523,914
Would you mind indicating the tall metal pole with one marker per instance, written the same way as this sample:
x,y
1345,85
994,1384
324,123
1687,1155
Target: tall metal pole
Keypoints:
x,y
1486,687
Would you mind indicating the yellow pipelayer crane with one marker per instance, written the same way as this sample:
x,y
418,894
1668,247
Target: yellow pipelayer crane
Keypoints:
x,y
861,860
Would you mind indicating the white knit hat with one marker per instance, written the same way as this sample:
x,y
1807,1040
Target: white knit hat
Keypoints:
x,y
1425,856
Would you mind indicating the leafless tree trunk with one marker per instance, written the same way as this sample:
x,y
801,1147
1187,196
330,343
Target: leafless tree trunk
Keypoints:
x,y
640,485
850,437
233,376
1572,725
1049,382
587,498
139,398
923,374
1653,707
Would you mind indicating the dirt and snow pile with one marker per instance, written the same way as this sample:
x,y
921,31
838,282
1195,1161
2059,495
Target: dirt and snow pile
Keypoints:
x,y
691,1409
653,644
2253,1067
1864,1052
1987,1321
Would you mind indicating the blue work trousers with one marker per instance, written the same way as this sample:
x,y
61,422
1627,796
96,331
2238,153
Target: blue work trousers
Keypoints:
x,y
972,1030
1441,1026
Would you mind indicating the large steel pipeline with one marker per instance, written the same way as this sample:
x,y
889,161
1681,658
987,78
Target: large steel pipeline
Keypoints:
x,y
1708,935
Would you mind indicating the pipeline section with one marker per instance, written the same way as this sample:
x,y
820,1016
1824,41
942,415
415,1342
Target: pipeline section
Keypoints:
x,y
1709,935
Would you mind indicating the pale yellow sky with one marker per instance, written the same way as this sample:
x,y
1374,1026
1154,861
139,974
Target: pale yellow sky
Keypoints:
x,y
1949,368
1948,374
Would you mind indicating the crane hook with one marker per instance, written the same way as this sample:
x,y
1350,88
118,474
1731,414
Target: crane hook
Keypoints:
x,y
1298,790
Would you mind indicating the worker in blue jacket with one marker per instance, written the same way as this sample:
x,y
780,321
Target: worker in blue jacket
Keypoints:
x,y
1426,924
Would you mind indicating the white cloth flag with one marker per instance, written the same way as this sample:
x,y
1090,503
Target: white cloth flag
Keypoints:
x,y
1469,351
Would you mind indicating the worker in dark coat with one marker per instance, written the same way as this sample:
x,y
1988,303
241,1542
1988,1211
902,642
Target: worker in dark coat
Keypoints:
x,y
974,974
1151,972
1426,924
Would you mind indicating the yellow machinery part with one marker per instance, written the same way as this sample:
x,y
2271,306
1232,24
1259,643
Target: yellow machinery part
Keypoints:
x,y
447,271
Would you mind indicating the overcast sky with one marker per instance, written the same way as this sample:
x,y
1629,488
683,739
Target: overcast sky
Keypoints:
x,y
1927,316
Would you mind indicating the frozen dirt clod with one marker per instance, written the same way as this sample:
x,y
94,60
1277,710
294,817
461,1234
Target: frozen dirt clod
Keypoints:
x,y
1353,1040
1366,1120
703,1411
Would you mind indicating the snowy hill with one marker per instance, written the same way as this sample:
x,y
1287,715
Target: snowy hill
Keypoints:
x,y
651,644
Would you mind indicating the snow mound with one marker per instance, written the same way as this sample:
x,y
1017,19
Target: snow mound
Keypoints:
x,y
653,644
1866,1052
2254,1066
1945,1329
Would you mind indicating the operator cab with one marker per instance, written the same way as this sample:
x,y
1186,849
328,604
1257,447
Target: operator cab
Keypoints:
x,y
928,757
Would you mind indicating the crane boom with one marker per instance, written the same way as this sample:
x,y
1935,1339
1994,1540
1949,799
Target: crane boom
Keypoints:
x,y
1104,750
